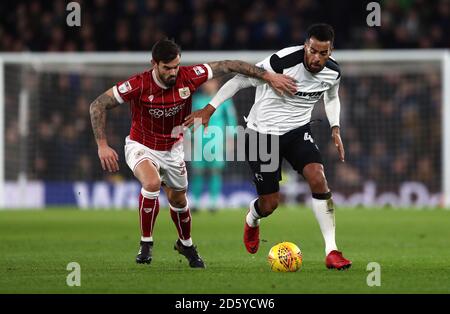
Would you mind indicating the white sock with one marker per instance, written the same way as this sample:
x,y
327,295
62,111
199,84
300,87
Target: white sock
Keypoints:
x,y
252,218
187,242
325,217
147,239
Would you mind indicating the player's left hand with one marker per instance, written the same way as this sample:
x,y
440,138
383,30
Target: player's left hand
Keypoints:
x,y
338,143
282,84
199,117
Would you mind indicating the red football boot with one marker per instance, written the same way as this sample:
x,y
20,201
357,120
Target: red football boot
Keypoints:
x,y
251,238
335,260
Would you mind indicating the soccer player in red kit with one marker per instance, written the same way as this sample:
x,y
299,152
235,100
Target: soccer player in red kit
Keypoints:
x,y
160,99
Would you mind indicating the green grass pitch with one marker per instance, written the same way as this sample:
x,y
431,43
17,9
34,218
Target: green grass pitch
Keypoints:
x,y
411,246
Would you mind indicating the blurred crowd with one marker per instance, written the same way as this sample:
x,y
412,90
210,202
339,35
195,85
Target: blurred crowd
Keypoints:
x,y
134,25
59,143
391,129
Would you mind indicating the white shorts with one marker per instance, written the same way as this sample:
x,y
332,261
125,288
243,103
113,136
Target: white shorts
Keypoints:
x,y
170,164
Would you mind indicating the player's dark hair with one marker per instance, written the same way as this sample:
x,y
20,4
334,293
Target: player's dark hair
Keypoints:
x,y
320,31
165,50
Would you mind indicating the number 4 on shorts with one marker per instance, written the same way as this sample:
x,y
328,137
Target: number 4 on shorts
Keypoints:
x,y
308,137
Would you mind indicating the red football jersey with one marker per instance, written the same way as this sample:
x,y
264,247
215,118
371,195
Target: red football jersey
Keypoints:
x,y
157,109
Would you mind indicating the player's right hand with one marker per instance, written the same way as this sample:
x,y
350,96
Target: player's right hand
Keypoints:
x,y
282,84
199,117
335,134
108,158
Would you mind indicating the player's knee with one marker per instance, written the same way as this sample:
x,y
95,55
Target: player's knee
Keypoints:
x,y
178,201
268,205
152,185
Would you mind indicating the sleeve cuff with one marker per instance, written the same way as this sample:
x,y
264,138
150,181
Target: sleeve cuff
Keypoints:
x,y
214,103
210,72
117,95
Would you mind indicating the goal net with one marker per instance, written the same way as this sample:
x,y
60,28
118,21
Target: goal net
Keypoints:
x,y
392,127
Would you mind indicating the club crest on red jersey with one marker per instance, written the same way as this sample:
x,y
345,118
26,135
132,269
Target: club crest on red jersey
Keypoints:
x,y
150,98
184,92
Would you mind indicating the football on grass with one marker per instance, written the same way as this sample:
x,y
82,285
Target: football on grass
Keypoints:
x,y
285,257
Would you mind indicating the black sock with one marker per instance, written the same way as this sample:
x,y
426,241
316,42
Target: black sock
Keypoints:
x,y
322,196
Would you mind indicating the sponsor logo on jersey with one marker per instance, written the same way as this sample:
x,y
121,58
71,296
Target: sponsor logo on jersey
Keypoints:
x,y
169,112
156,113
124,87
184,92
312,95
199,70
173,111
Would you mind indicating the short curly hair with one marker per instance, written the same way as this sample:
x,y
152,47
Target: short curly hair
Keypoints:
x,y
320,31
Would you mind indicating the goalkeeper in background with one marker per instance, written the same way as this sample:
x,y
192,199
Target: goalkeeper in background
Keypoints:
x,y
224,116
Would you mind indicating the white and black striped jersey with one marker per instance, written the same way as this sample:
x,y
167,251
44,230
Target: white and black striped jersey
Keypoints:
x,y
274,114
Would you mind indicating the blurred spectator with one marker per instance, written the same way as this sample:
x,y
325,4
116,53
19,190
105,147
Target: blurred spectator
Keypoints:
x,y
39,25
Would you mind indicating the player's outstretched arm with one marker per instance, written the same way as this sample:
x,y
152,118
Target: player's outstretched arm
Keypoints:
x,y
228,90
282,84
279,82
108,156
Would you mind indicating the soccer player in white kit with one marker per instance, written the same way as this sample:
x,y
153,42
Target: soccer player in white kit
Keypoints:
x,y
288,118
160,98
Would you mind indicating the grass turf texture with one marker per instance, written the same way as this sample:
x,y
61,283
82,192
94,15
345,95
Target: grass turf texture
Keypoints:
x,y
411,247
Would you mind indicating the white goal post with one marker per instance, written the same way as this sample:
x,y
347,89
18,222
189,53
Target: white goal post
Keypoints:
x,y
368,60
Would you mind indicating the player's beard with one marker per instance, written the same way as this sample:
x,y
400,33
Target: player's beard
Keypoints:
x,y
170,81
